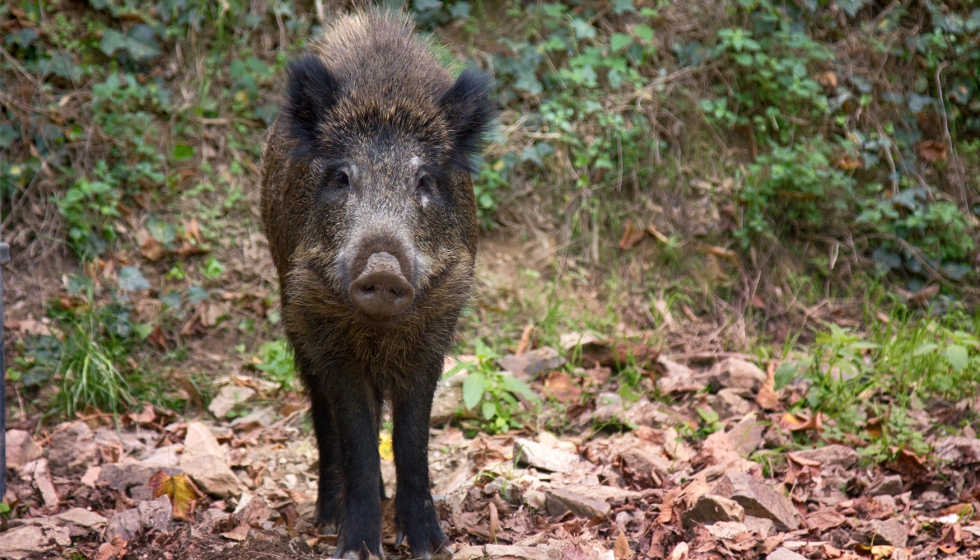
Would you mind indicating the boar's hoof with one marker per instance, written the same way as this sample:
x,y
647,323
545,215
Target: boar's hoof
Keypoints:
x,y
381,291
362,554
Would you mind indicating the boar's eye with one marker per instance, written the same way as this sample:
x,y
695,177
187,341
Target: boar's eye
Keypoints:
x,y
340,179
426,190
336,186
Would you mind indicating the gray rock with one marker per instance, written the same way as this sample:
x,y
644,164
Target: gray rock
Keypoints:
x,y
529,365
726,529
890,485
728,403
81,521
760,525
891,532
759,500
710,509
958,450
124,477
646,460
72,450
21,449
31,540
830,456
204,461
747,434
561,500
448,399
228,398
527,452
262,416
784,554
125,525
734,373
677,378
154,515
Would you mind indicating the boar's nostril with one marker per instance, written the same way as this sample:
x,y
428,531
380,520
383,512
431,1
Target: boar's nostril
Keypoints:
x,y
381,290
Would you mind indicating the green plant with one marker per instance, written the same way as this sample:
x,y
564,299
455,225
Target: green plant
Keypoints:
x,y
276,360
495,392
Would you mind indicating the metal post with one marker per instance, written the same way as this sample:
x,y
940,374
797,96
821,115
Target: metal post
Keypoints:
x,y
4,259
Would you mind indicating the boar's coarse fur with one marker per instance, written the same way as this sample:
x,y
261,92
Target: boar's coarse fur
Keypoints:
x,y
368,204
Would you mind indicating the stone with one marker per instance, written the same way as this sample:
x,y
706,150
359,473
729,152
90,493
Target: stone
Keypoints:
x,y
784,554
608,408
212,475
958,450
726,529
890,485
561,500
728,403
759,499
711,509
72,450
509,552
747,434
892,532
82,519
228,398
527,452
647,459
32,540
677,378
531,364
760,526
675,447
125,477
39,471
21,449
262,417
448,399
166,456
604,493
735,373
830,456
718,450
125,525
149,516
200,442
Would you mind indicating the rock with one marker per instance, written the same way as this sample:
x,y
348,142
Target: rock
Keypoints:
x,y
728,403
710,509
958,450
72,450
166,456
758,499
647,459
560,500
153,515
609,409
747,435
83,519
830,456
529,365
204,461
509,552
726,529
212,475
734,373
677,378
604,493
228,398
890,485
31,540
21,449
527,452
675,447
891,532
127,476
760,526
39,472
260,417
784,554
448,399
718,449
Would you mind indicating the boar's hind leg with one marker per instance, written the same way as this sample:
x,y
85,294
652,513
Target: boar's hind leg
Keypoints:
x,y
355,408
328,498
414,511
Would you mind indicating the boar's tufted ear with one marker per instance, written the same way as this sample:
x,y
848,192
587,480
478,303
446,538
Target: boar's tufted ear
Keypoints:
x,y
310,91
468,111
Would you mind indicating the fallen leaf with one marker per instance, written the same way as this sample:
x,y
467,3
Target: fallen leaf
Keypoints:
x,y
768,398
721,253
876,552
192,230
952,538
152,249
494,521
385,448
680,551
932,150
112,550
560,386
525,341
800,423
827,79
182,492
621,550
239,533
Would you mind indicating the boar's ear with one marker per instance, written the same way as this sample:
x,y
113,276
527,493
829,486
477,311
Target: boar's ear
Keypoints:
x,y
468,111
310,91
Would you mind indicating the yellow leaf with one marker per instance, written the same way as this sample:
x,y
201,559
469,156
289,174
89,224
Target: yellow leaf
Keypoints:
x,y
181,490
385,448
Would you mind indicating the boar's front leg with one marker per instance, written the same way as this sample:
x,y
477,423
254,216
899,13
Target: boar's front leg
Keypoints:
x,y
328,501
355,408
415,513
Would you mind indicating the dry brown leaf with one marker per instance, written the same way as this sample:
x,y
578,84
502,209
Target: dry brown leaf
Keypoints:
x,y
192,230
827,79
239,533
848,163
621,550
932,150
152,249
952,538
113,550
525,341
680,551
799,423
494,521
632,234
768,398
721,253
876,552
667,506
182,492
560,386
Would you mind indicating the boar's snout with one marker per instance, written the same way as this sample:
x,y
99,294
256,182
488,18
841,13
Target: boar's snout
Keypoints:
x,y
381,290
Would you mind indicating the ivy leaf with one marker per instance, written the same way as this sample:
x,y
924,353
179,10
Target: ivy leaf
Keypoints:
x,y
473,387
619,41
131,279
643,33
583,29
957,356
112,41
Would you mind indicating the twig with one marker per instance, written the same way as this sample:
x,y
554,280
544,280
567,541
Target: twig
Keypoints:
x,y
953,160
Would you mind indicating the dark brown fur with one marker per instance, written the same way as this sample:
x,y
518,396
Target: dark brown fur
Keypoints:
x,y
368,112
